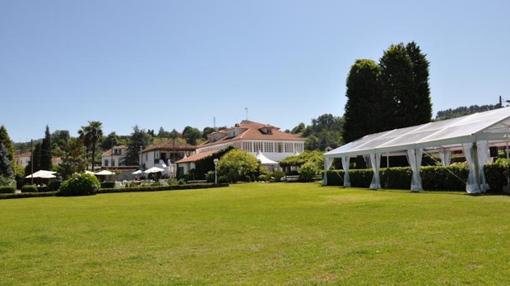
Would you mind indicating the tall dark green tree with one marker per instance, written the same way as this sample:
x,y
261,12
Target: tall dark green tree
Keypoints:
x,y
90,135
74,159
6,140
35,160
363,110
138,140
404,81
422,102
45,163
6,168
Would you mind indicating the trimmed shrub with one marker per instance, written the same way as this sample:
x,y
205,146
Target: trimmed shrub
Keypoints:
x,y
43,189
29,189
54,185
107,185
7,189
308,171
79,185
238,165
278,175
264,178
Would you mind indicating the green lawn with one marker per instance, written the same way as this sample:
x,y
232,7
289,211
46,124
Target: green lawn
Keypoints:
x,y
256,234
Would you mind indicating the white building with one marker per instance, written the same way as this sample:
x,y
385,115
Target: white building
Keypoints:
x,y
165,155
253,137
114,157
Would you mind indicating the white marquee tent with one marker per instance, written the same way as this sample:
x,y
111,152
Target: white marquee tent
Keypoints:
x,y
264,160
473,134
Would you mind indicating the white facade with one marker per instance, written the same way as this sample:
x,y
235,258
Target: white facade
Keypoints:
x,y
162,158
114,157
272,149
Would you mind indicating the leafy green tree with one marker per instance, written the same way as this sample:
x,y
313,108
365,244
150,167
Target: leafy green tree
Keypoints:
x,y
90,136
313,157
110,141
207,131
162,133
308,171
138,140
298,129
238,165
6,169
45,163
422,103
404,81
6,140
362,110
191,135
59,141
74,159
325,131
35,160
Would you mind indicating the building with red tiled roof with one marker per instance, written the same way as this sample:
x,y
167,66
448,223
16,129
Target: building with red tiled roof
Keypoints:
x,y
165,154
114,157
252,137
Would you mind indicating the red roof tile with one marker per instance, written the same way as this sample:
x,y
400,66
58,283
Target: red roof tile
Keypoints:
x,y
197,156
250,130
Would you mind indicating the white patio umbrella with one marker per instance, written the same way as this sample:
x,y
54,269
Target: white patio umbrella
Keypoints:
x,y
154,170
137,172
89,172
105,173
42,174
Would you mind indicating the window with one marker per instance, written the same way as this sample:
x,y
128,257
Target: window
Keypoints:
x,y
257,146
248,146
268,147
299,147
289,148
106,163
279,147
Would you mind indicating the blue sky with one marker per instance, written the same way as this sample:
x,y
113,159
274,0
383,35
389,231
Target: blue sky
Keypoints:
x,y
178,63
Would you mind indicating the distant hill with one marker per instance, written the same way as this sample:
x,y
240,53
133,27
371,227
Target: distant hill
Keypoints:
x,y
464,110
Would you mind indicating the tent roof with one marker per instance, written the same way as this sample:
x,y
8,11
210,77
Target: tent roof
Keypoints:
x,y
488,125
154,170
42,174
264,160
105,173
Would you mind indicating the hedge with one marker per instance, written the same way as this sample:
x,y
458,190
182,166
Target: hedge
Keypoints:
x,y
161,188
26,195
107,185
7,189
29,189
451,178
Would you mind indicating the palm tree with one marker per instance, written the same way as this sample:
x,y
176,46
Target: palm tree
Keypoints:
x,y
90,135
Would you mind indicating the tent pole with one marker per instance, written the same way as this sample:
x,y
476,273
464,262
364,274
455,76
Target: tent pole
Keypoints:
x,y
506,150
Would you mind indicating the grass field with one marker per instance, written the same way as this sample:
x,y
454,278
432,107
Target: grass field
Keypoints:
x,y
256,234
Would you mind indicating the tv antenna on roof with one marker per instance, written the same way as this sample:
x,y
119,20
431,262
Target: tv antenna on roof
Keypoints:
x,y
246,110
